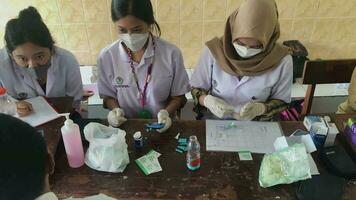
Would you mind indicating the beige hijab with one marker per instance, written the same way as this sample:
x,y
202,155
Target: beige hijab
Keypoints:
x,y
256,19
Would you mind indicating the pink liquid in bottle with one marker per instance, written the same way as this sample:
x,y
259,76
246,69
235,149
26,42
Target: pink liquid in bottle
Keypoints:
x,y
72,143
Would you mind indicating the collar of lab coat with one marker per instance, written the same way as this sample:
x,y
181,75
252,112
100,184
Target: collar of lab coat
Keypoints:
x,y
52,72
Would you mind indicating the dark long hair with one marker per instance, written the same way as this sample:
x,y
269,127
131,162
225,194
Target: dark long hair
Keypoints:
x,y
23,153
141,9
28,27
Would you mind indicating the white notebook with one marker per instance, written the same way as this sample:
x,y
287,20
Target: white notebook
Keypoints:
x,y
42,112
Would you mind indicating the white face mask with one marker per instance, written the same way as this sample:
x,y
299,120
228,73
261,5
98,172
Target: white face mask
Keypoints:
x,y
245,52
134,41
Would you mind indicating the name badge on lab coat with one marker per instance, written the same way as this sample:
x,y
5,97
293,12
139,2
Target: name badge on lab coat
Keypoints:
x,y
119,83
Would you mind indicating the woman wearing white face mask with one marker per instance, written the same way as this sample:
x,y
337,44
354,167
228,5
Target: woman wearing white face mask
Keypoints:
x,y
140,75
32,65
245,74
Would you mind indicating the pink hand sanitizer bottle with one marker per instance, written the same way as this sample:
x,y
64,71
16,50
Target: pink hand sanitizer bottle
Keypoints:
x,y
72,143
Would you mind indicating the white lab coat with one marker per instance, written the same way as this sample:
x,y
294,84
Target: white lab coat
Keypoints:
x,y
63,78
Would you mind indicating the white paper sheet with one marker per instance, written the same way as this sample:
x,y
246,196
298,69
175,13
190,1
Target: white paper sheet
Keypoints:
x,y
280,143
256,137
284,142
95,197
42,112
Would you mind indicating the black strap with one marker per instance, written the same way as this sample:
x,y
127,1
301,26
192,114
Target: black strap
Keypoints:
x,y
210,91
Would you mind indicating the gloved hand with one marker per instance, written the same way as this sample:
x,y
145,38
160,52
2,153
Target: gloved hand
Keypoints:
x,y
163,117
218,107
251,110
116,117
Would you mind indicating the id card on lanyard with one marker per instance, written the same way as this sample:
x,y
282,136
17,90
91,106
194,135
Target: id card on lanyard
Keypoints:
x,y
143,113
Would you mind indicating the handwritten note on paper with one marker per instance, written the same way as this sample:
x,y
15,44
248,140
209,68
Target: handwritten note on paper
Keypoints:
x,y
256,137
42,112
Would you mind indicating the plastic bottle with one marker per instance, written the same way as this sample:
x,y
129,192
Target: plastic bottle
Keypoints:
x,y
138,140
72,143
3,95
6,105
193,153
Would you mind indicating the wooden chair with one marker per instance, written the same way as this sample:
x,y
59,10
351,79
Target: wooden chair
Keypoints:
x,y
324,72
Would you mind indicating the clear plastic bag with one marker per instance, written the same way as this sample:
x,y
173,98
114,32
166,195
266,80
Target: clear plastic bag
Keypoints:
x,y
285,166
107,149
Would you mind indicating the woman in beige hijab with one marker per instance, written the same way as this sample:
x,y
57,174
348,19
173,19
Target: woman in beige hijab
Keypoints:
x,y
349,106
245,74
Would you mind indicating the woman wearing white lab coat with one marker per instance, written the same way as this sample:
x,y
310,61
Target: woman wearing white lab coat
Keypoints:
x,y
245,74
31,65
140,75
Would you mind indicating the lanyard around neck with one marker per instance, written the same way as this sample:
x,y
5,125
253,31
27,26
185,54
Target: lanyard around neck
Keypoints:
x,y
148,75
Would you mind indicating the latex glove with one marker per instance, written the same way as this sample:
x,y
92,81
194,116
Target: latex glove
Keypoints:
x,y
218,107
163,117
251,110
116,117
23,108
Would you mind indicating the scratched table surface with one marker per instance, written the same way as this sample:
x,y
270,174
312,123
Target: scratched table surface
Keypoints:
x,y
221,176
51,129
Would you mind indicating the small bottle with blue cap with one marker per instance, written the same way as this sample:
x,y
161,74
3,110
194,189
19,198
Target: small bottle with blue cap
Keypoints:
x,y
138,140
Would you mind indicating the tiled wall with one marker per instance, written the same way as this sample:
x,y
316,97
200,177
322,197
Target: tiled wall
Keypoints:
x,y
326,27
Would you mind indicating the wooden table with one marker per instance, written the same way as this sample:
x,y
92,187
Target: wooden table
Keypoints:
x,y
52,132
222,175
